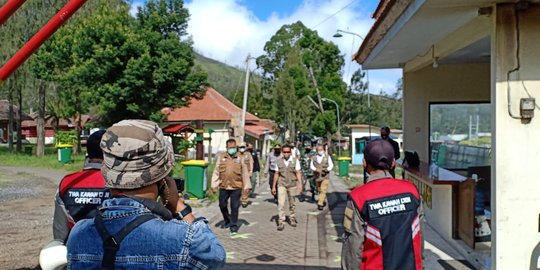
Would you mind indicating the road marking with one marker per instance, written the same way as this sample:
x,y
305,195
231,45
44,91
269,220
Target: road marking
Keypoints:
x,y
337,259
335,237
230,255
245,212
241,236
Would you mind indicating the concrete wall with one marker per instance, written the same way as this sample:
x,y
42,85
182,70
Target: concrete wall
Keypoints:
x,y
516,146
447,83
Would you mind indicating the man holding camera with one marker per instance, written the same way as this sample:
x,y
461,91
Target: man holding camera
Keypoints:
x,y
133,230
321,165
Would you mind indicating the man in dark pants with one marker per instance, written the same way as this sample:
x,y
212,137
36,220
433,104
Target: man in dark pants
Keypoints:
x,y
385,135
231,175
271,166
256,168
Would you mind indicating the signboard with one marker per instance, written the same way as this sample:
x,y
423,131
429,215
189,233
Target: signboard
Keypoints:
x,y
424,189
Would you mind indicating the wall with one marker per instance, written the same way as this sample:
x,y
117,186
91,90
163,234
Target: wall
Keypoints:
x,y
516,146
447,83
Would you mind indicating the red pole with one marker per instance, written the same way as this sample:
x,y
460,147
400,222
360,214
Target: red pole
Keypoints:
x,y
9,8
39,38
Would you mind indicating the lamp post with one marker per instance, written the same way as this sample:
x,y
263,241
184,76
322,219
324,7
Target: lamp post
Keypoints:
x,y
338,123
338,35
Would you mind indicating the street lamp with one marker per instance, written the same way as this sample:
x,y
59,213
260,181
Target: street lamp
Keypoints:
x,y
338,123
338,35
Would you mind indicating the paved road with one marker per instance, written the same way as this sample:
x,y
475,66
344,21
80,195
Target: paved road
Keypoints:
x,y
314,244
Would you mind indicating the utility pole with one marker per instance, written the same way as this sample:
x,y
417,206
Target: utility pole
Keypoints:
x,y
244,103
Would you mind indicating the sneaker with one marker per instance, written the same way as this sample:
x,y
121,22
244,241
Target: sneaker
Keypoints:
x,y
320,207
292,222
234,230
280,226
244,204
226,224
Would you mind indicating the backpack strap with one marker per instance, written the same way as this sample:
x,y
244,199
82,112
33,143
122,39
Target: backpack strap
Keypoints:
x,y
111,243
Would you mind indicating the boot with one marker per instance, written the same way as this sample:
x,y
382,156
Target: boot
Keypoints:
x,y
280,226
293,222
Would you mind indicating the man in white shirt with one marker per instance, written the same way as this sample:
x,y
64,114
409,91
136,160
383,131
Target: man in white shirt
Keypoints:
x,y
288,181
321,165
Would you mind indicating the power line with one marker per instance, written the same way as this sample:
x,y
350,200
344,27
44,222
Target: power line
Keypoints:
x,y
334,14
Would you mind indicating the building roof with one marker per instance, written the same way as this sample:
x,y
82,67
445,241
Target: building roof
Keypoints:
x,y
362,126
177,128
50,121
211,107
4,111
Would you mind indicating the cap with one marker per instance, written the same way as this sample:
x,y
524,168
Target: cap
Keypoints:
x,y
379,154
277,146
135,154
92,144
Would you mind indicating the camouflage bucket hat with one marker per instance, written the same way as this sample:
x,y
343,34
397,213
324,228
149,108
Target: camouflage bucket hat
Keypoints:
x,y
135,154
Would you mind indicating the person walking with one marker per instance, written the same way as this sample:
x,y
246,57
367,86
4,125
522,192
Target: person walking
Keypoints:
x,y
382,218
385,135
134,230
321,165
231,176
271,166
288,184
256,168
248,161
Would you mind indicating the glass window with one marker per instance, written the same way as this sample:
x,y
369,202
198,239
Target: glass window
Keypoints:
x,y
460,134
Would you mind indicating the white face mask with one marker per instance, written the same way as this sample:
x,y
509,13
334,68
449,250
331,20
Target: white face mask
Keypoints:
x,y
320,153
242,150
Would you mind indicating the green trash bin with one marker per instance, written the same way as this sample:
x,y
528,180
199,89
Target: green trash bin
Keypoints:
x,y
64,153
196,180
344,166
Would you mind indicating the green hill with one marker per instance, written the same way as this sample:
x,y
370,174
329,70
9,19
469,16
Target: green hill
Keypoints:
x,y
224,78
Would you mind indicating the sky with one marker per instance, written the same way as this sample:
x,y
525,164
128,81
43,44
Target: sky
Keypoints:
x,y
227,30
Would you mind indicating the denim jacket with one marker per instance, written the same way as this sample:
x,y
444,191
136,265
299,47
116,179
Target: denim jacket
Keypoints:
x,y
156,244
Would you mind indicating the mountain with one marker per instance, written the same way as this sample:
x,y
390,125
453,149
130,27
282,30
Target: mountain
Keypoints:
x,y
227,80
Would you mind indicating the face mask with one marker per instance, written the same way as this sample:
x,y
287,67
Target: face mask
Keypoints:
x,y
277,152
242,150
286,156
231,151
384,137
320,153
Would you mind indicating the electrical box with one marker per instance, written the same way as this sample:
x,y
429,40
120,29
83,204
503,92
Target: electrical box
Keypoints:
x,y
526,108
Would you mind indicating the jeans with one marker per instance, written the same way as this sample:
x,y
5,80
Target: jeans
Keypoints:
x,y
234,195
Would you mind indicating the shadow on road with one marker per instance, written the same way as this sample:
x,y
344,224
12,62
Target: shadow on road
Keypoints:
x,y
337,202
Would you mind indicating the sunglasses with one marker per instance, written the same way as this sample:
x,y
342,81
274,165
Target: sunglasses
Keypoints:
x,y
286,152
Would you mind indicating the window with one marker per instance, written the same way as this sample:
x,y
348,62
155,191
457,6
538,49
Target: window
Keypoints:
x,y
460,134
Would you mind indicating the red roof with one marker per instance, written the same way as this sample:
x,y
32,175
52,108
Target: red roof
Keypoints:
x,y
176,128
211,107
258,129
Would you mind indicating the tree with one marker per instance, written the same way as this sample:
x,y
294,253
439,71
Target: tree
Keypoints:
x,y
297,60
125,67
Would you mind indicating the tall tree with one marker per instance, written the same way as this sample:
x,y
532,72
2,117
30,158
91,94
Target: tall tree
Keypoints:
x,y
125,67
319,60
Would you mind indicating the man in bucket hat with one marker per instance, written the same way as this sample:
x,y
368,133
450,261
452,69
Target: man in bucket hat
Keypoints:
x,y
133,230
382,218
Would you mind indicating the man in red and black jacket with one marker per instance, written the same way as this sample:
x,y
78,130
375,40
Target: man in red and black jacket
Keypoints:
x,y
81,193
382,218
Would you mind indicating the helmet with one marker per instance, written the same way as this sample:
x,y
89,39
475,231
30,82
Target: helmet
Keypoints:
x,y
53,256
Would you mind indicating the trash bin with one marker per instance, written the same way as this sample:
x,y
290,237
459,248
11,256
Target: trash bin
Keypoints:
x,y
344,166
196,179
64,152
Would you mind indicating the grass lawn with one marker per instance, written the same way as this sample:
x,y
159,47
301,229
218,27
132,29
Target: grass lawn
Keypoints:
x,y
50,160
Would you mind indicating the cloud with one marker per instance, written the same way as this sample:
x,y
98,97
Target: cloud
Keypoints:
x,y
227,31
